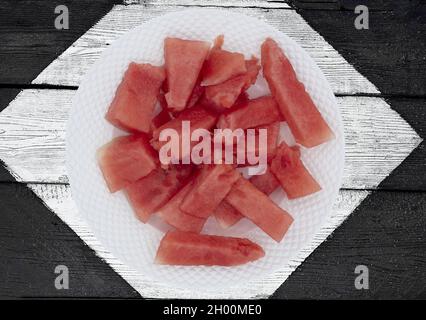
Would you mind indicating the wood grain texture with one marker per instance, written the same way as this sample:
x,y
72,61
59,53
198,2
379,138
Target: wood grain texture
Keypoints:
x,y
58,198
77,59
341,5
29,40
391,53
32,139
33,241
215,3
411,174
386,233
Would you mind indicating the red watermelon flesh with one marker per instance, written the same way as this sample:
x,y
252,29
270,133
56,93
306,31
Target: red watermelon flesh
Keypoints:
x,y
217,109
133,105
191,249
198,117
218,42
253,68
161,118
222,65
211,106
184,60
242,99
226,93
259,208
254,113
162,100
305,121
209,189
174,216
294,178
125,160
267,183
154,190
120,112
196,95
272,133
226,215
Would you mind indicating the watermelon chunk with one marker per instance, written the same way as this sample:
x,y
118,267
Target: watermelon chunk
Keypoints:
x,y
222,65
161,118
198,117
267,183
253,68
133,105
184,60
174,216
196,93
226,93
154,190
272,132
256,206
243,99
294,178
125,160
226,215
209,189
305,121
185,248
162,100
218,42
252,114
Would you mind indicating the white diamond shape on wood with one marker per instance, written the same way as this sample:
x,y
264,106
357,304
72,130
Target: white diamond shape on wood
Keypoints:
x,y
77,59
32,134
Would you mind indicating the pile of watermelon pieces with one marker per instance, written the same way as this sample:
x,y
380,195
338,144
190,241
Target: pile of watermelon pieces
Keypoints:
x,y
207,86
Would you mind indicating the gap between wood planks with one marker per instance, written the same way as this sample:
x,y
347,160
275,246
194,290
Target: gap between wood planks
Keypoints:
x,y
260,4
24,86
66,184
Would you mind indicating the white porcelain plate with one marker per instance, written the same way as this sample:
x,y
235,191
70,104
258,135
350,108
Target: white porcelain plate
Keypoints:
x,y
109,215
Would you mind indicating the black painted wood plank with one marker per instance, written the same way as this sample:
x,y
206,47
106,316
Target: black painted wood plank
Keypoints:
x,y
373,5
29,40
33,241
387,233
391,53
394,61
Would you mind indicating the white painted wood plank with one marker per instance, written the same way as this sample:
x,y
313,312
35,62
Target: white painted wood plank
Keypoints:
x,y
32,137
73,63
213,3
58,199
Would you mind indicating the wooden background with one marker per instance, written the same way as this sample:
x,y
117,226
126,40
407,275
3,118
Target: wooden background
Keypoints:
x,y
387,232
